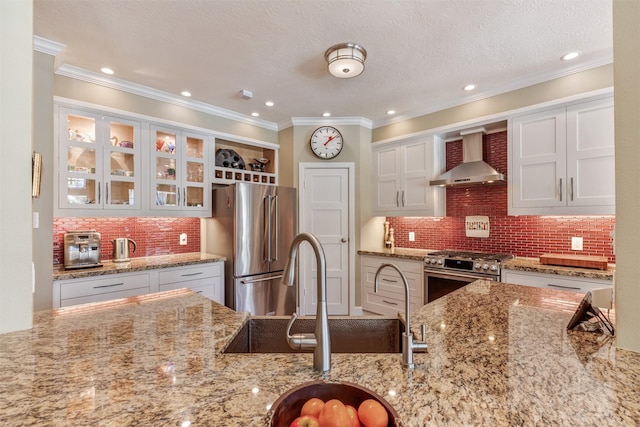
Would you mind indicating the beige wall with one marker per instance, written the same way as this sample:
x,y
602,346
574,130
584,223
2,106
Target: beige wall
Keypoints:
x,y
100,95
626,39
16,63
586,81
43,143
356,149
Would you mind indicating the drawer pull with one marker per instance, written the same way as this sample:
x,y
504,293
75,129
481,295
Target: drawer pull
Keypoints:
x,y
192,274
551,285
389,280
389,302
108,286
199,292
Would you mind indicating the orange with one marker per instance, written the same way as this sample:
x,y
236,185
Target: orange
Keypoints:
x,y
333,414
372,414
312,407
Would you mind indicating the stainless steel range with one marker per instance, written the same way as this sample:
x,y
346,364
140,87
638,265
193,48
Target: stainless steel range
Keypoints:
x,y
446,271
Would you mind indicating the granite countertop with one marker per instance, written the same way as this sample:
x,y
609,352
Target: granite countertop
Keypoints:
x,y
499,354
400,253
517,263
136,264
533,265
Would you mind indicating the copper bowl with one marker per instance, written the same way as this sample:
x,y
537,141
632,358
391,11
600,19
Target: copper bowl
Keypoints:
x,y
287,407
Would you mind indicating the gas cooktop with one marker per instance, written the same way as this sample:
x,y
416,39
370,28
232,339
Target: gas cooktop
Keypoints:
x,y
470,255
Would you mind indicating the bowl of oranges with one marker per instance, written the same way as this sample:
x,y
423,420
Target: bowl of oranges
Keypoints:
x,y
331,404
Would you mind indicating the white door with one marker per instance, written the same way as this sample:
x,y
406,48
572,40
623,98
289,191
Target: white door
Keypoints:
x,y
326,211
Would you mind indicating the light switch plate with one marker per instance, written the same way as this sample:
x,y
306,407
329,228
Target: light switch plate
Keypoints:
x,y
183,239
412,236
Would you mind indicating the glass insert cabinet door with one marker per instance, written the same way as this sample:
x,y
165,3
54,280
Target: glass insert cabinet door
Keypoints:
x,y
195,169
122,164
80,161
178,170
98,161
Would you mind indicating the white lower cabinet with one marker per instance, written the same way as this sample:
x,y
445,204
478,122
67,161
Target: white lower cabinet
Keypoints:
x,y
554,281
390,298
103,288
205,279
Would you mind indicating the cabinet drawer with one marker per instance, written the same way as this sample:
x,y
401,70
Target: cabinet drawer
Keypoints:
x,y
391,284
104,296
111,284
387,306
404,265
554,281
208,287
188,274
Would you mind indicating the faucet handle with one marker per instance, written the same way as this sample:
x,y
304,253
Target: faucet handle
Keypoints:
x,y
421,346
300,341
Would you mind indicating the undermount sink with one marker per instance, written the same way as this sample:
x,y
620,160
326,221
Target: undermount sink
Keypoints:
x,y
268,334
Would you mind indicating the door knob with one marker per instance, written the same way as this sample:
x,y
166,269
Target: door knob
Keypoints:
x,y
343,240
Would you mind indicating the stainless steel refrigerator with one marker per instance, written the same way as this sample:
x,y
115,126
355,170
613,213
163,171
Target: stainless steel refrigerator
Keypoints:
x,y
254,227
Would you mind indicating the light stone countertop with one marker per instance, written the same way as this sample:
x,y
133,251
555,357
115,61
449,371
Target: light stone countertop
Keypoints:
x,y
136,264
533,265
400,253
517,263
499,355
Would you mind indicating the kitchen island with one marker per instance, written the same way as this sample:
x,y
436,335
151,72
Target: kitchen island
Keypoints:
x,y
499,354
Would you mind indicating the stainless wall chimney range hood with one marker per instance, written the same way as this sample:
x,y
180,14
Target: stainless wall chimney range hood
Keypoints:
x,y
472,170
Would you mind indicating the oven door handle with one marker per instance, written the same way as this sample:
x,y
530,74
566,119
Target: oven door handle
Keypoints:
x,y
449,274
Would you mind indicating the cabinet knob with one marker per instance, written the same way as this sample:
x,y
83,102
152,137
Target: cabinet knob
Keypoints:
x,y
343,240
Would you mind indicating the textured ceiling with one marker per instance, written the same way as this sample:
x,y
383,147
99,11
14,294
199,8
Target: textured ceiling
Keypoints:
x,y
420,53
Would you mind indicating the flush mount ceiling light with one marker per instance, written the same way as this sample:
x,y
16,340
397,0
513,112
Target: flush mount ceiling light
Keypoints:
x,y
346,60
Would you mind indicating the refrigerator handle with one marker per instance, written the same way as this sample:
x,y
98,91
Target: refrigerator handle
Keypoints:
x,y
275,227
266,279
266,217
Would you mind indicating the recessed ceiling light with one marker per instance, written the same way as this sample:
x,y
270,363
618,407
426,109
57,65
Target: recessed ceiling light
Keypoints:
x,y
571,55
391,112
255,114
326,114
106,70
269,103
469,87
185,93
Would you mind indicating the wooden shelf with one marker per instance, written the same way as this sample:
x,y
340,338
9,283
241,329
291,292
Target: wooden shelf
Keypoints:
x,y
249,154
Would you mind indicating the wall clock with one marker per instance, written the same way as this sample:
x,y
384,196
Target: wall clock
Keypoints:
x,y
326,142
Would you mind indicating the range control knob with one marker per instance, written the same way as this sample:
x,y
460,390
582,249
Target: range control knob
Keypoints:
x,y
439,262
477,266
494,268
485,267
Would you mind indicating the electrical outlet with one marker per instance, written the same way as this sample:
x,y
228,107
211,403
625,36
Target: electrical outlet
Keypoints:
x,y
576,243
412,236
183,239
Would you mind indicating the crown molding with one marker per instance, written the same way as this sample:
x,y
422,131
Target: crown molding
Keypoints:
x,y
40,44
512,86
148,92
344,121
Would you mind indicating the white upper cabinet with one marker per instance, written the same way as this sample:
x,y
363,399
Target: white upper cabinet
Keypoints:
x,y
178,166
562,161
98,167
110,164
401,175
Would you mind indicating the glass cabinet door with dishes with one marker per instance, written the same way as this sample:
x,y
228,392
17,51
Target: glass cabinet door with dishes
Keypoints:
x,y
99,162
178,173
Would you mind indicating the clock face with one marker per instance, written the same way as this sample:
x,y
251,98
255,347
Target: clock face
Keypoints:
x,y
326,142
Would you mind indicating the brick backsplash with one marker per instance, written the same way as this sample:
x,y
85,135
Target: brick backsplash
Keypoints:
x,y
525,235
153,236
